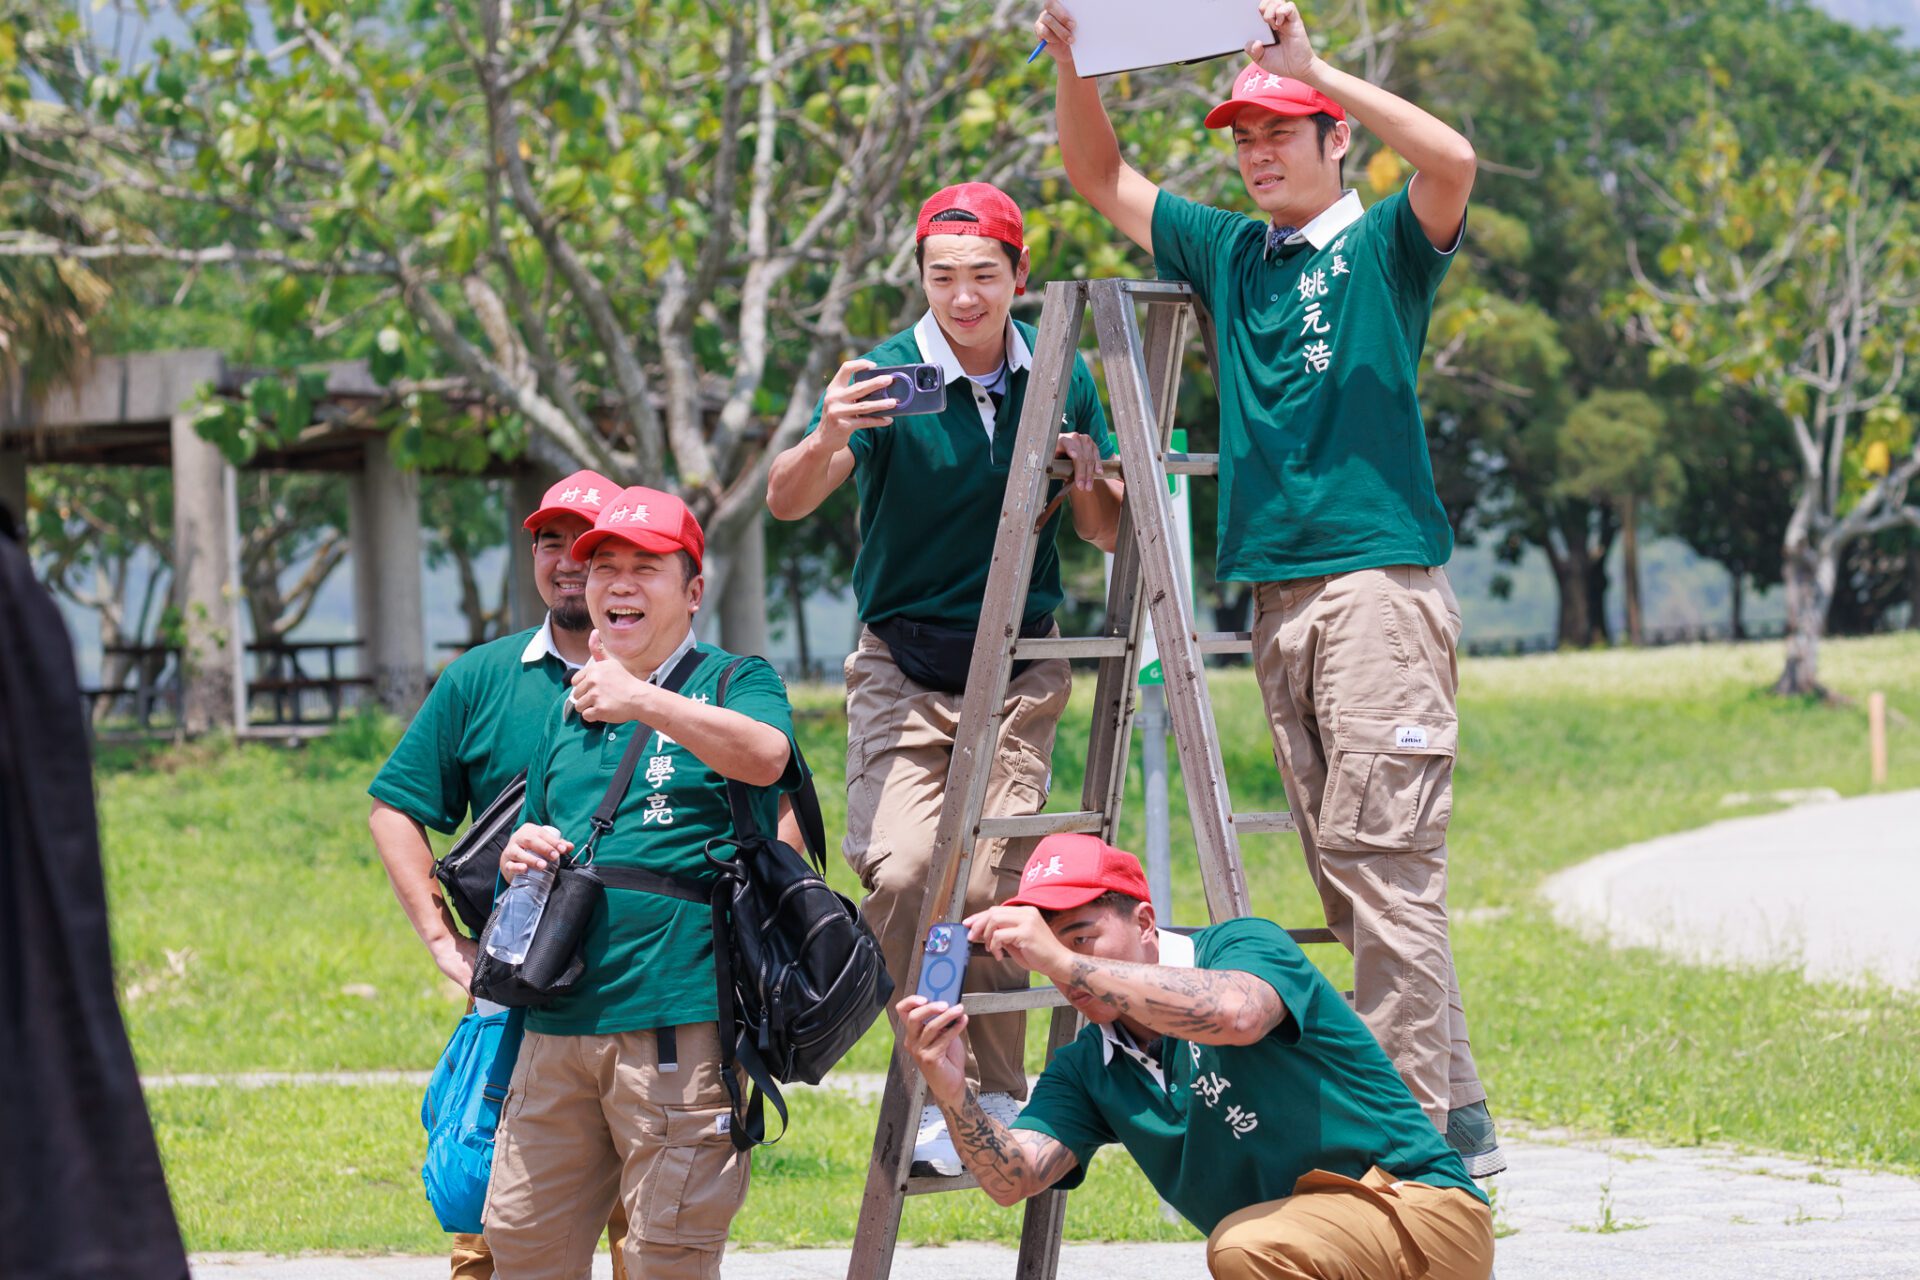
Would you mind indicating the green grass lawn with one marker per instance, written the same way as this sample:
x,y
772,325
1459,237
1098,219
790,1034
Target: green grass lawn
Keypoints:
x,y
255,931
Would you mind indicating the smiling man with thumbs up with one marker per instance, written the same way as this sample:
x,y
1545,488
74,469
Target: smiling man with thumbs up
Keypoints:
x,y
618,1094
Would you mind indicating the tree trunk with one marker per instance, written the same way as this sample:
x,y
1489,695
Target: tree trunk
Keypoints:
x,y
1913,587
741,569
1738,623
1630,557
797,602
1809,573
1570,579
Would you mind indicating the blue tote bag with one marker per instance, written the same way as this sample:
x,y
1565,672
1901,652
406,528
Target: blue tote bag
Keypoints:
x,y
461,1110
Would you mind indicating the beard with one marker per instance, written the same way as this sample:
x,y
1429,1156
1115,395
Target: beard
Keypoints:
x,y
570,614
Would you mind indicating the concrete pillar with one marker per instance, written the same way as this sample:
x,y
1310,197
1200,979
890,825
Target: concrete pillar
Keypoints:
x,y
206,582
384,522
741,606
525,608
13,484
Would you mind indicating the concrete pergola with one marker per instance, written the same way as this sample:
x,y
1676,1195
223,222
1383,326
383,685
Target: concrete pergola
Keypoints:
x,y
137,410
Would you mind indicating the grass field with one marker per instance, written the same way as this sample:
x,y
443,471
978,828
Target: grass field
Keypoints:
x,y
255,931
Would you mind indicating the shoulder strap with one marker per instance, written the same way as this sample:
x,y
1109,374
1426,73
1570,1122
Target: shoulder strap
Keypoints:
x,y
602,820
806,802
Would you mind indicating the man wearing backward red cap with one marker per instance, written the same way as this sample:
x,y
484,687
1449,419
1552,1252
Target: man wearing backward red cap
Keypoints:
x,y
473,736
931,488
618,1095
1255,1101
1327,501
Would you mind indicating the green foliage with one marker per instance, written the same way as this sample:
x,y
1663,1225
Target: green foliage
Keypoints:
x,y
1615,447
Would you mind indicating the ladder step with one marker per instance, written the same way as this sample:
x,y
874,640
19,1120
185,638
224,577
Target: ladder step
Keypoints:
x,y
1070,647
1047,996
1176,464
1042,824
939,1182
1259,823
1225,641
1307,937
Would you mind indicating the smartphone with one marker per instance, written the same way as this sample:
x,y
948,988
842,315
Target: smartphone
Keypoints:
x,y
944,964
920,388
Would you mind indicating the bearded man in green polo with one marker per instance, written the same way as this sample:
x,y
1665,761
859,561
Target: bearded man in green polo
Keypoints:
x,y
1327,501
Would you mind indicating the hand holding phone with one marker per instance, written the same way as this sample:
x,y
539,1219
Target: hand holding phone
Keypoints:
x,y
918,388
944,964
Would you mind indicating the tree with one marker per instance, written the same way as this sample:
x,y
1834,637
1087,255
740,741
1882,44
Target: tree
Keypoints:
x,y
464,517
1615,450
1801,283
292,538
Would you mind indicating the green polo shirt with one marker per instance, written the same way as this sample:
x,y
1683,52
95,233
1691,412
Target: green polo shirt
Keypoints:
x,y
1227,1126
931,487
474,733
1323,454
650,958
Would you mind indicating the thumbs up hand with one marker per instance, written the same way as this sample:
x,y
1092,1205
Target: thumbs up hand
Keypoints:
x,y
606,692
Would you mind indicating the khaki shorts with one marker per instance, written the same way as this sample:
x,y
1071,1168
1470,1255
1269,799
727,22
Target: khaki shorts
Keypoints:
x,y
1376,1227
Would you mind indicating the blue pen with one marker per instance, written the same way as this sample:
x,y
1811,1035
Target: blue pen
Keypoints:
x,y
1036,51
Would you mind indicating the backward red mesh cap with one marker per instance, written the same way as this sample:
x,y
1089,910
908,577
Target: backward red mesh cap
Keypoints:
x,y
999,217
650,520
581,494
1257,87
1068,871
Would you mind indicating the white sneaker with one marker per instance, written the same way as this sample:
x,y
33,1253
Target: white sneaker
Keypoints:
x,y
933,1151
1003,1107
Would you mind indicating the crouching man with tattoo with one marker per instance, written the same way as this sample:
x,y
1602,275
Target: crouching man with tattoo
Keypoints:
x,y
1255,1101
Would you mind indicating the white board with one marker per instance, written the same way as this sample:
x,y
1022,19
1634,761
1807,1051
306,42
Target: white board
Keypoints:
x,y
1126,35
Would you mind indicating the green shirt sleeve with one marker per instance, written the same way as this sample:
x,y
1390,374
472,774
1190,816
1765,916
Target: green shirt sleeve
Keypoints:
x,y
1411,261
1186,241
424,778
1062,1109
1084,412
1263,949
755,690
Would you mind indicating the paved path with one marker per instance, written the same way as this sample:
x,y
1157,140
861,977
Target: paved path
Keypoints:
x,y
1702,1213
1835,886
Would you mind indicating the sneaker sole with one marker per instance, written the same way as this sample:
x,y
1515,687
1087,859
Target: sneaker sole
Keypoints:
x,y
928,1169
1484,1164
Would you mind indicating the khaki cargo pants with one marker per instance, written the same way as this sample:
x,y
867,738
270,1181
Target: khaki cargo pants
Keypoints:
x,y
593,1118
1358,672
1333,1228
899,744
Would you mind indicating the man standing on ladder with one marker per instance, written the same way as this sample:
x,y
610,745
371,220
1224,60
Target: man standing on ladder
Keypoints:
x,y
1327,502
931,487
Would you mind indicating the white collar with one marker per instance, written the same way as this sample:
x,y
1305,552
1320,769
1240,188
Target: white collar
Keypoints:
x,y
665,669
935,349
1176,952
541,646
1331,221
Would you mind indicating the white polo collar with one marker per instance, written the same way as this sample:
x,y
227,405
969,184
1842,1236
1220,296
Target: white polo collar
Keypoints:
x,y
1176,952
665,669
1330,221
935,349
540,647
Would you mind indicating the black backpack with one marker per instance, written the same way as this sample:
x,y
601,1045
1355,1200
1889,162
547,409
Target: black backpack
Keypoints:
x,y
799,974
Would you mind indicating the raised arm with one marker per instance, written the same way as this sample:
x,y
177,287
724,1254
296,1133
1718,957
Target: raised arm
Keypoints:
x,y
1088,148
1011,1164
802,477
1444,159
1207,1006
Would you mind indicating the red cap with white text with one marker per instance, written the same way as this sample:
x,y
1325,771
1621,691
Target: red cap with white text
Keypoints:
x,y
648,519
1068,871
1258,87
581,494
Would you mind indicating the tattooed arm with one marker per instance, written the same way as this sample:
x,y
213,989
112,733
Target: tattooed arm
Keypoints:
x,y
1011,1164
1208,1006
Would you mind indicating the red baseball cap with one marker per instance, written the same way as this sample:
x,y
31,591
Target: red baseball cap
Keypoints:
x,y
999,217
1068,871
581,494
1257,87
648,519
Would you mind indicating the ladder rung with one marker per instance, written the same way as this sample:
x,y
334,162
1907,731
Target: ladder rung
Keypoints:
x,y
1042,824
1176,464
984,1002
1258,823
1307,937
1225,641
939,1182
1070,647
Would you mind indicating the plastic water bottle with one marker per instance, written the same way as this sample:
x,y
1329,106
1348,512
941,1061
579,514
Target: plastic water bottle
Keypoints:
x,y
520,910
